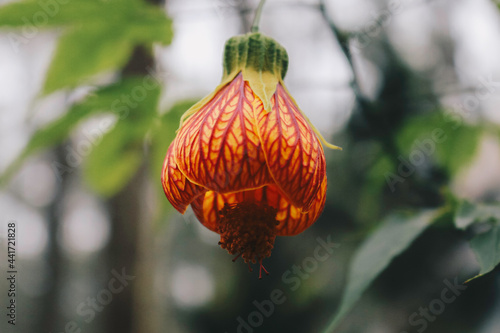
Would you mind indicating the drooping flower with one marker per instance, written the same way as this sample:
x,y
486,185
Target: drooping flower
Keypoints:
x,y
245,157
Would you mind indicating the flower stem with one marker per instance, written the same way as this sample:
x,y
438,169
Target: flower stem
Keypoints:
x,y
256,20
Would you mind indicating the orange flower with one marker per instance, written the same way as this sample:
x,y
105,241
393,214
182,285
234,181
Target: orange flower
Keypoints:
x,y
246,158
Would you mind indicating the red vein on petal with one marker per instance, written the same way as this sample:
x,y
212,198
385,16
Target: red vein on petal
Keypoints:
x,y
225,153
178,189
292,150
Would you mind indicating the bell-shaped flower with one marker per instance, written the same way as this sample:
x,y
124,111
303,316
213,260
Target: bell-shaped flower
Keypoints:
x,y
245,157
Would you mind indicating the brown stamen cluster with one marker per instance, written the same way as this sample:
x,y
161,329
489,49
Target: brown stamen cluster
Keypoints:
x,y
248,229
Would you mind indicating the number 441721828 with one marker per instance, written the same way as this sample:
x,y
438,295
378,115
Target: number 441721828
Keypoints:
x,y
11,245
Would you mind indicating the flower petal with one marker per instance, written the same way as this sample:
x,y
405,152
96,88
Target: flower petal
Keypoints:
x,y
218,147
294,154
292,220
207,206
178,189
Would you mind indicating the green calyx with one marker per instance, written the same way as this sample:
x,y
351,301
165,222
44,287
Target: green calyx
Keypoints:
x,y
255,51
261,59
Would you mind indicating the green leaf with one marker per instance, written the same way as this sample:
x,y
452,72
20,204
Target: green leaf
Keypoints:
x,y
459,150
114,160
99,34
110,99
391,238
83,53
447,140
468,213
35,15
370,203
486,247
150,25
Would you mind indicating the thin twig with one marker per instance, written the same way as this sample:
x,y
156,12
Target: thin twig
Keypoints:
x,y
343,40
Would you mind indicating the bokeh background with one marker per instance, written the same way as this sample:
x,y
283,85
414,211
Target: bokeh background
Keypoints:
x,y
375,77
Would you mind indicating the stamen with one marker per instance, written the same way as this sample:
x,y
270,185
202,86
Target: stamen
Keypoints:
x,y
248,229
262,268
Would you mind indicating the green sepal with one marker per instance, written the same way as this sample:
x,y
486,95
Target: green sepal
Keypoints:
x,y
255,51
262,61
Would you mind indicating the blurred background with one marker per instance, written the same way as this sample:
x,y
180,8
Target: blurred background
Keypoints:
x,y
86,122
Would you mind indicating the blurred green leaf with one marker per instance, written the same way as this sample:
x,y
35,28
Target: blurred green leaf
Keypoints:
x,y
486,247
370,202
112,99
391,238
468,213
100,34
85,52
34,14
459,150
114,160
447,140
111,45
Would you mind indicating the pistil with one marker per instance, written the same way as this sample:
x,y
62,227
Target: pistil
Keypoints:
x,y
248,229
